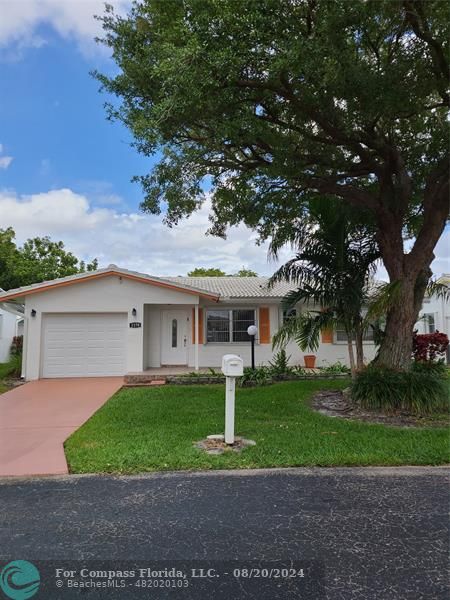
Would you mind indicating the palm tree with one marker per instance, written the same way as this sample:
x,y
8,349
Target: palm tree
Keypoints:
x,y
333,268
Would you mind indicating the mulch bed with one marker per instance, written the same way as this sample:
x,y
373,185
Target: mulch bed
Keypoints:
x,y
334,403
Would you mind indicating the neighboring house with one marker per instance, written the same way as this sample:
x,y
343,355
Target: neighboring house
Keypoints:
x,y
7,331
114,321
435,313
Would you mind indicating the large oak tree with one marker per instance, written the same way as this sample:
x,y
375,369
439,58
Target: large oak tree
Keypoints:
x,y
280,101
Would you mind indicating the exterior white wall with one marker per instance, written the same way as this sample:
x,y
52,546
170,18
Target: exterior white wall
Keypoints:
x,y
7,332
113,294
210,354
440,309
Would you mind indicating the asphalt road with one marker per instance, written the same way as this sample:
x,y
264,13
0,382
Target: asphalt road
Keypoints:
x,y
341,534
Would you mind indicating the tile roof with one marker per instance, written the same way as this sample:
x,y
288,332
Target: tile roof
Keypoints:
x,y
236,287
110,270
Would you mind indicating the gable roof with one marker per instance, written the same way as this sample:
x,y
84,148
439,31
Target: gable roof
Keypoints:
x,y
107,272
237,287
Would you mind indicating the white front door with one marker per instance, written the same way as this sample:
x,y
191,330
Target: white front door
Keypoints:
x,y
174,343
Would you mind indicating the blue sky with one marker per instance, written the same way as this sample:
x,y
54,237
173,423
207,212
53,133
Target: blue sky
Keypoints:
x,y
65,170
52,122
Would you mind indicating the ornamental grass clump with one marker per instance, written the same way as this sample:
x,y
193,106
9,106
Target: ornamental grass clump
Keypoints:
x,y
418,391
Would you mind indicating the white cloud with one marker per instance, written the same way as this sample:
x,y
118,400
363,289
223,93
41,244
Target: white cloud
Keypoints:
x,y
5,161
142,242
71,19
129,239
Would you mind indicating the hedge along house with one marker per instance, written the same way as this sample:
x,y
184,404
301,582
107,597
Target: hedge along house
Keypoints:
x,y
114,321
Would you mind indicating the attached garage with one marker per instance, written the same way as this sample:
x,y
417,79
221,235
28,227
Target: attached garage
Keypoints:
x,y
83,345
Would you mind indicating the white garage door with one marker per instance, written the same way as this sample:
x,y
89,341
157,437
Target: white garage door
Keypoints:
x,y
88,345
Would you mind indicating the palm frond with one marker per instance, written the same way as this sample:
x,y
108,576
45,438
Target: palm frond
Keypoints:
x,y
440,290
385,296
304,329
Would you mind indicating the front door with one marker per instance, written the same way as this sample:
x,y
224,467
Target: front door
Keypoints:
x,y
174,344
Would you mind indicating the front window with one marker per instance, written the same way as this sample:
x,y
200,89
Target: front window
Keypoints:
x,y
218,326
430,325
226,326
341,335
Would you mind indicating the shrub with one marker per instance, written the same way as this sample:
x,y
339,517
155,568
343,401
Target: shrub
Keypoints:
x,y
280,364
17,345
429,346
438,368
417,391
258,376
336,367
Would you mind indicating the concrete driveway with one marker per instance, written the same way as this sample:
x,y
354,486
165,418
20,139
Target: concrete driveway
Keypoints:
x,y
37,417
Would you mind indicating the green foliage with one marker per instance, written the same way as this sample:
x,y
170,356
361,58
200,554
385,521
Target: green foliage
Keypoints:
x,y
258,376
17,346
246,273
206,272
39,259
417,391
305,329
279,101
438,368
13,368
212,272
336,367
280,364
332,268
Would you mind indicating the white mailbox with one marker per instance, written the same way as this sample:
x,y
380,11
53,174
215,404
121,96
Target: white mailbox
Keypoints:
x,y
232,365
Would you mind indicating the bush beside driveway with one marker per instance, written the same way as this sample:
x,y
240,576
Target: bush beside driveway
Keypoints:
x,y
146,429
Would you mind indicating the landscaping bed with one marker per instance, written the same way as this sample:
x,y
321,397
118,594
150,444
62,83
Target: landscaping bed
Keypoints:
x,y
335,403
199,379
148,429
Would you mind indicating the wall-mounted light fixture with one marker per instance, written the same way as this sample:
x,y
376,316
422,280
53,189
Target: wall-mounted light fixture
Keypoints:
x,y
33,313
134,312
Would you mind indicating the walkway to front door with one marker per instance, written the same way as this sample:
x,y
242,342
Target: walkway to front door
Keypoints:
x,y
36,419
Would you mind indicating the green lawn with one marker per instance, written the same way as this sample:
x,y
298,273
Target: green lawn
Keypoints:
x,y
146,429
5,371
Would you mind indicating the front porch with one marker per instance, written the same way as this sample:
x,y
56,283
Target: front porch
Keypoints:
x,y
171,340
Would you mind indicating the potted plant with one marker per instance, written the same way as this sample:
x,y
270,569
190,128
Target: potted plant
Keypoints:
x,y
310,361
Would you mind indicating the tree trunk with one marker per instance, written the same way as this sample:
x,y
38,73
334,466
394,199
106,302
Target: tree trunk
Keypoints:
x,y
359,348
410,270
396,347
351,355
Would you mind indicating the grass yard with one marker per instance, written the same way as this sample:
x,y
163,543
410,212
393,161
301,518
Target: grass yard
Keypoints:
x,y
146,429
6,370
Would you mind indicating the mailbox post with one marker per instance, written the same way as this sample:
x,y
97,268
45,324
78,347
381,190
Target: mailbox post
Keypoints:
x,y
232,367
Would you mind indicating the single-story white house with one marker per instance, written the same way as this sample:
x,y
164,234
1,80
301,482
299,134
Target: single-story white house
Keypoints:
x,y
114,321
